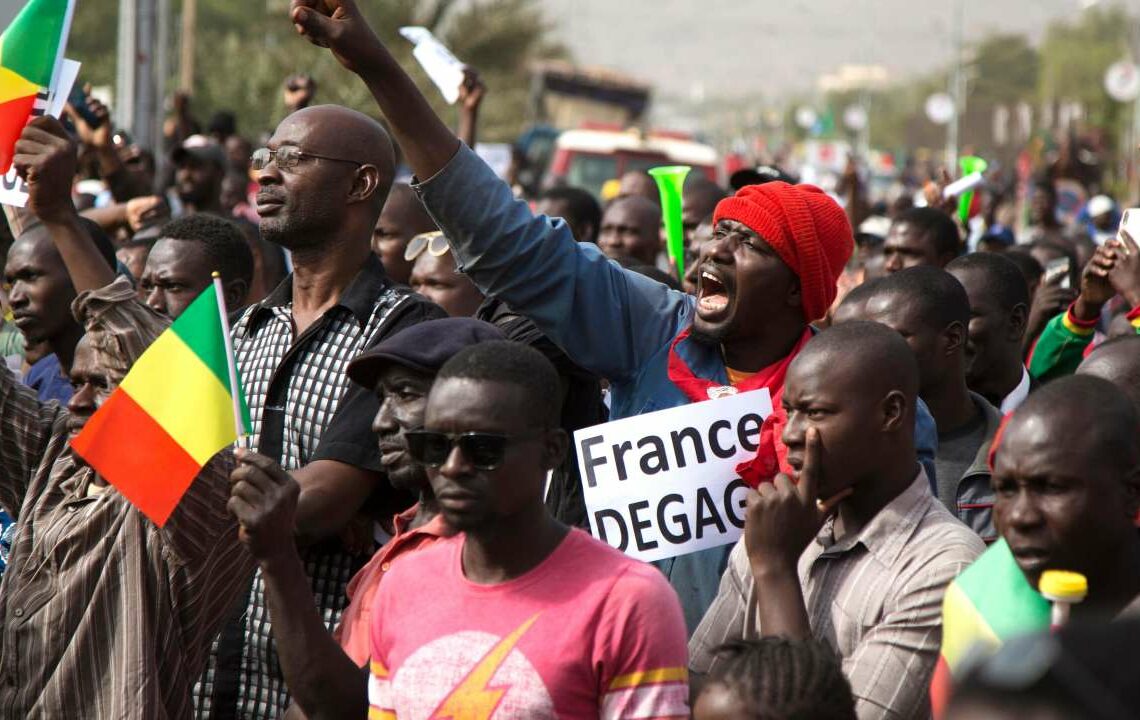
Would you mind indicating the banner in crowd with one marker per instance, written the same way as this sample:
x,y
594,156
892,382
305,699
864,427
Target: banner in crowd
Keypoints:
x,y
664,484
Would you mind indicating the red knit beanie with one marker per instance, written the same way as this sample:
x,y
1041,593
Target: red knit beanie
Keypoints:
x,y
806,228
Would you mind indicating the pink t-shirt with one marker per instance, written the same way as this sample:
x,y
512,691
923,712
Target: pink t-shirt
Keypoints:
x,y
589,633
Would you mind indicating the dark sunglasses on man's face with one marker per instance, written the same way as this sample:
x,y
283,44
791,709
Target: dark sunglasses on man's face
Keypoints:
x,y
484,450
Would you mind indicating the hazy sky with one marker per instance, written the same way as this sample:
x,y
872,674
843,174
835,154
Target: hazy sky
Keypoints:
x,y
777,46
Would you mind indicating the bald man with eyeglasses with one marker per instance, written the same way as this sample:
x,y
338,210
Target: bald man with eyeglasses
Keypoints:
x,y
323,179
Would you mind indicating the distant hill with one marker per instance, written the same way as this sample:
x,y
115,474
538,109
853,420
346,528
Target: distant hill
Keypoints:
x,y
740,47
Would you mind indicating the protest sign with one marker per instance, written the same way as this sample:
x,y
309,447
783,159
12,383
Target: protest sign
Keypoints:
x,y
664,484
442,67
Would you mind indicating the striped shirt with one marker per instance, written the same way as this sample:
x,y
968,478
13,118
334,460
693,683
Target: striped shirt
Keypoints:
x,y
874,596
105,615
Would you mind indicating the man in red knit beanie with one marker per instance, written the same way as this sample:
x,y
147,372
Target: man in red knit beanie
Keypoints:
x,y
768,272
806,229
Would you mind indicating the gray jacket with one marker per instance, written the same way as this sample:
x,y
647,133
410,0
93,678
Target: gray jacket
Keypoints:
x,y
975,495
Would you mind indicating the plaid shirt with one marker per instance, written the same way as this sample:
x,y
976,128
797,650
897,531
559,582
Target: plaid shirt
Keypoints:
x,y
304,408
874,596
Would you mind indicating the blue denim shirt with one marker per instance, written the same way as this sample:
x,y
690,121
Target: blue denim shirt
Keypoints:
x,y
612,322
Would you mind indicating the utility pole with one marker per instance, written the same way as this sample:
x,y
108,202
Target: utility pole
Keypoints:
x,y
161,75
146,105
957,91
189,42
142,46
125,69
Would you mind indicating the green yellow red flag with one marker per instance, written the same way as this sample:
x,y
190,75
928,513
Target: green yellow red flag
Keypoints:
x,y
31,49
990,602
175,409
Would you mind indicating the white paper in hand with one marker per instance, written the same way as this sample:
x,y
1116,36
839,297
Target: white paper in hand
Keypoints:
x,y
442,67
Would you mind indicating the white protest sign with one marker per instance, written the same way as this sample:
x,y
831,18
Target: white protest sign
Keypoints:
x,y
13,190
442,67
664,484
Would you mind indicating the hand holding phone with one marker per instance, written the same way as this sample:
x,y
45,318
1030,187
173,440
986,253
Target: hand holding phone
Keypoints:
x,y
1130,222
80,102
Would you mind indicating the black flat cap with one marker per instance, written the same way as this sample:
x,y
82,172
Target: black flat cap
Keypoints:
x,y
424,347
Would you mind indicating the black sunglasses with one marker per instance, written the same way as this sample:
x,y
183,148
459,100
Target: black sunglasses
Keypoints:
x,y
485,450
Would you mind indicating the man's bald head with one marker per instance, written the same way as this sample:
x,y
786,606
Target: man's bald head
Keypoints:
x,y
405,208
640,184
337,188
869,353
631,226
402,218
342,132
1110,421
699,199
855,384
854,303
363,137
1117,361
1065,499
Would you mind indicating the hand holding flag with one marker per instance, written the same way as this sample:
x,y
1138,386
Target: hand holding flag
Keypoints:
x,y
264,501
31,50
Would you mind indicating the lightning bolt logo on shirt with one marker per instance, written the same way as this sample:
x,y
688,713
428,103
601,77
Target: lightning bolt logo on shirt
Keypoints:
x,y
474,698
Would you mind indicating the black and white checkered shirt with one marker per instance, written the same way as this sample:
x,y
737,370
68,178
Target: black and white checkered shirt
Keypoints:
x,y
304,408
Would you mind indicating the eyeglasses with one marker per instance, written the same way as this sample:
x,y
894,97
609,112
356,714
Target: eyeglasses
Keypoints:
x,y
434,242
485,450
287,157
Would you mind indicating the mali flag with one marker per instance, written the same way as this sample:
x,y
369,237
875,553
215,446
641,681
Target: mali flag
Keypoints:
x,y
990,602
30,52
173,411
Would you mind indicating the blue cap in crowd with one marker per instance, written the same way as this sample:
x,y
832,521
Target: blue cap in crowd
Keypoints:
x,y
424,347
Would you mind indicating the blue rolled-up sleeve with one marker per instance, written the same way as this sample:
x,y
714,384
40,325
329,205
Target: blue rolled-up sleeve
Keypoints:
x,y
926,441
607,319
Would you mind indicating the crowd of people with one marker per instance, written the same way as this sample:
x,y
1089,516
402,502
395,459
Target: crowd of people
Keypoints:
x,y
404,534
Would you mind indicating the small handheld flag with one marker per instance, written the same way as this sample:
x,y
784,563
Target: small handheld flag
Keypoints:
x,y
31,50
988,603
180,404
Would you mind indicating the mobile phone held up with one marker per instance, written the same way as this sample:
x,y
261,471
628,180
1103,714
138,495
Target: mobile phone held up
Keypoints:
x,y
1130,221
78,100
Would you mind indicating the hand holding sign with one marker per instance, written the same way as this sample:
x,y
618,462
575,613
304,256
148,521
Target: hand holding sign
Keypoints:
x,y
784,516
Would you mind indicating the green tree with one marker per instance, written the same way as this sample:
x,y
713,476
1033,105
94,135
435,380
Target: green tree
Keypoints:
x,y
1004,71
246,49
1074,58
